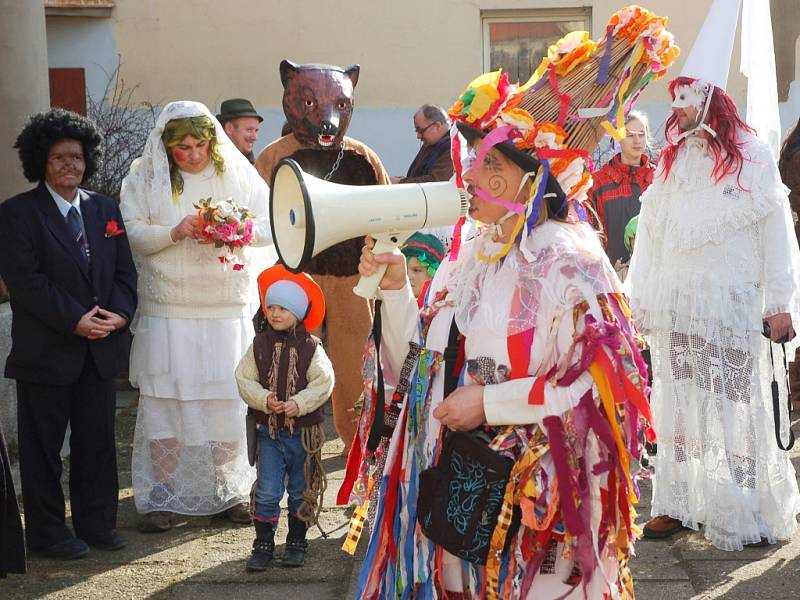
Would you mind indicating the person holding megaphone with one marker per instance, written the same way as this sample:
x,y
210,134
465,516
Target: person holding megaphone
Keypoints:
x,y
508,363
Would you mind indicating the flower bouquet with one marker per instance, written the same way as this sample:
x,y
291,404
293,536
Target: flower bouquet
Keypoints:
x,y
228,226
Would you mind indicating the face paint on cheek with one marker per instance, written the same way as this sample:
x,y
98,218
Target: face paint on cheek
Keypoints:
x,y
179,155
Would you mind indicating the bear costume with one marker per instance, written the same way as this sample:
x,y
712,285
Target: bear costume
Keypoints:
x,y
318,104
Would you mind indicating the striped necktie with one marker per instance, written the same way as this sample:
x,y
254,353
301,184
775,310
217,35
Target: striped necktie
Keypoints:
x,y
76,230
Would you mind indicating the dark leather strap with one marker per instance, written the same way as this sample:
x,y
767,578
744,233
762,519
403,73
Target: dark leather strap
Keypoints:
x,y
776,401
450,358
377,427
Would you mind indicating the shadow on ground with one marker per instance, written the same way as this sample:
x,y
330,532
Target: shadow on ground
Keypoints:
x,y
202,557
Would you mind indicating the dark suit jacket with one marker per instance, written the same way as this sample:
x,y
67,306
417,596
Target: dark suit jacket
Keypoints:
x,y
432,163
51,287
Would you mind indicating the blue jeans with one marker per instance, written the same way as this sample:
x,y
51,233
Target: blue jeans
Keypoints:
x,y
280,469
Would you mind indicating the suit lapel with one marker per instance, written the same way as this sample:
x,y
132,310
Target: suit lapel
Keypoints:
x,y
57,225
93,224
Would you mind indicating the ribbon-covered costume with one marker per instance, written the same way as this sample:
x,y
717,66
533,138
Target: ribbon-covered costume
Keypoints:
x,y
548,334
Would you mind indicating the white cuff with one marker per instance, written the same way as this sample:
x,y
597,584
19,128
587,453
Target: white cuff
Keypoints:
x,y
507,403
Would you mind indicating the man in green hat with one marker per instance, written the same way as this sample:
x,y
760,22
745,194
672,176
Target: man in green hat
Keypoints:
x,y
241,122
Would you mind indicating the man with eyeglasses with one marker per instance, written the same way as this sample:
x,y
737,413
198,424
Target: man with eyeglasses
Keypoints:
x,y
432,162
70,274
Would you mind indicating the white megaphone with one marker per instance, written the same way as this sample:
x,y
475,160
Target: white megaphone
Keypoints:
x,y
309,215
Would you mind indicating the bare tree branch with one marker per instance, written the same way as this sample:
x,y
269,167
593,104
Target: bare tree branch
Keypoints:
x,y
124,125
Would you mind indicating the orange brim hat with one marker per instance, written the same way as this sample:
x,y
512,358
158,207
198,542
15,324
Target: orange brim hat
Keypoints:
x,y
316,300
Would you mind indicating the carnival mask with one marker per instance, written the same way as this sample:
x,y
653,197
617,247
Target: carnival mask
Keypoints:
x,y
694,94
318,102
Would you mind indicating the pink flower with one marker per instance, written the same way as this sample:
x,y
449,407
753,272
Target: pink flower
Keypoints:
x,y
247,235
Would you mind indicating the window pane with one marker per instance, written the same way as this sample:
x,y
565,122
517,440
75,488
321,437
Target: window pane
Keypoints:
x,y
519,47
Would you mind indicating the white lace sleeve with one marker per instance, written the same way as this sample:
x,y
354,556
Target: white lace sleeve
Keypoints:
x,y
781,264
145,237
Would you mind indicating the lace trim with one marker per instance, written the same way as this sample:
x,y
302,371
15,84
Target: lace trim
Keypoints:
x,y
690,210
697,302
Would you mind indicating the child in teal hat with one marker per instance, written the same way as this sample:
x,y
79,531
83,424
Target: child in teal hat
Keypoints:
x,y
424,252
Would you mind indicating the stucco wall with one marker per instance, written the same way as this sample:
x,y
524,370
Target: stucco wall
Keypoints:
x,y
23,83
88,43
410,52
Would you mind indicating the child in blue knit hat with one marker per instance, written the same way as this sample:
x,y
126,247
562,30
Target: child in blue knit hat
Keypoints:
x,y
285,377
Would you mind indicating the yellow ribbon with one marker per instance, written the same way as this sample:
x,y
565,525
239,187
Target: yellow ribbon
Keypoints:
x,y
617,130
357,523
607,398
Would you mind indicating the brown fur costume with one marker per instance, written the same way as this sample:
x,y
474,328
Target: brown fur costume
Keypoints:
x,y
318,105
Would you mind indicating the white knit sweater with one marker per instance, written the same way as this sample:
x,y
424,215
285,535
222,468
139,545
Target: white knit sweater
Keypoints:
x,y
185,279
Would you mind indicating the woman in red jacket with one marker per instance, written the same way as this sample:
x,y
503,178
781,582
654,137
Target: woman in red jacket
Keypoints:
x,y
618,185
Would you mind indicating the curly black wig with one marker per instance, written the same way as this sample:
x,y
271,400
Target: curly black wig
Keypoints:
x,y
45,129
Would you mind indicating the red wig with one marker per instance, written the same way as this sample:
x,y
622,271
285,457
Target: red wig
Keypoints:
x,y
722,118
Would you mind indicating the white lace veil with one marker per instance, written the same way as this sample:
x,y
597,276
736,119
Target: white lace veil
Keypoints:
x,y
149,174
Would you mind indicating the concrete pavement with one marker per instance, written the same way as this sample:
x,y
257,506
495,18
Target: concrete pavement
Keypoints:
x,y
204,557
201,558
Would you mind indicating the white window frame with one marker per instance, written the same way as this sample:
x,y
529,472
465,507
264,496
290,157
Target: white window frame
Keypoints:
x,y
532,15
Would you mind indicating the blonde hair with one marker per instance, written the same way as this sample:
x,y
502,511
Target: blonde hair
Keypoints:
x,y
201,128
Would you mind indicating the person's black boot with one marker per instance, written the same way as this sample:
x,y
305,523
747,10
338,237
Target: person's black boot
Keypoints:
x,y
263,547
296,544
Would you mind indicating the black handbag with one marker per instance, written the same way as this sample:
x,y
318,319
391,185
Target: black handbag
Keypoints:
x,y
460,498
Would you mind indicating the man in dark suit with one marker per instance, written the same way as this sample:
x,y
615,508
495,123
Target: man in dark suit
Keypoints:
x,y
68,266
432,162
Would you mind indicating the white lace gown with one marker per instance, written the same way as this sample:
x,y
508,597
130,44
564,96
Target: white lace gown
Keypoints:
x,y
191,328
189,453
711,260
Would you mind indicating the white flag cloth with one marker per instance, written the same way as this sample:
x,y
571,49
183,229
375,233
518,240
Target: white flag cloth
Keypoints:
x,y
758,65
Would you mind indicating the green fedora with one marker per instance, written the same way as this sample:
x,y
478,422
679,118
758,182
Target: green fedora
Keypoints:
x,y
235,108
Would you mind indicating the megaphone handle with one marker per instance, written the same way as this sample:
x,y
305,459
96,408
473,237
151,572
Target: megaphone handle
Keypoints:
x,y
368,286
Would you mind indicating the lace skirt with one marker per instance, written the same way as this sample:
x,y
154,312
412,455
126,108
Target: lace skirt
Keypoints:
x,y
718,465
190,450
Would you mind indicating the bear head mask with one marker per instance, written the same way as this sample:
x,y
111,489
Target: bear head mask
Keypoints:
x,y
318,102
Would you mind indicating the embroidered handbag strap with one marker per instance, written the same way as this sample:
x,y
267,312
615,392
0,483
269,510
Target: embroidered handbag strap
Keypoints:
x,y
776,401
376,429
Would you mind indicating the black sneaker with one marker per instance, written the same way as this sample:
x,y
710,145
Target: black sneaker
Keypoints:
x,y
111,541
68,549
